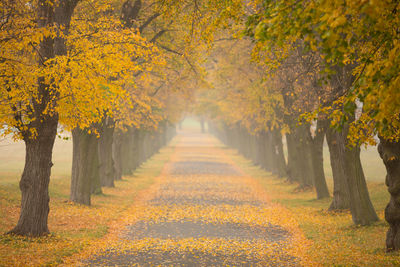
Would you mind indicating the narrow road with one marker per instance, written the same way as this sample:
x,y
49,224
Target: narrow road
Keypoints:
x,y
205,212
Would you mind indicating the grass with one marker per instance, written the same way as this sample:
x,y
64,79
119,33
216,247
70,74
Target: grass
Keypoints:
x,y
73,227
336,240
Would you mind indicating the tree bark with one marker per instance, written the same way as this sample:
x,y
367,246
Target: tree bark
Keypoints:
x,y
279,156
117,153
84,167
35,180
361,208
341,198
140,147
304,158
127,151
292,172
107,172
95,181
271,153
268,160
137,153
390,154
317,154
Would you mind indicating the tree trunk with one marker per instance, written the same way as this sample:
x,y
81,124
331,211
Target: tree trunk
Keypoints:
x,y
292,172
266,147
137,145
140,147
95,181
304,158
341,198
127,151
279,156
390,154
107,172
271,153
361,208
84,167
317,153
35,180
117,153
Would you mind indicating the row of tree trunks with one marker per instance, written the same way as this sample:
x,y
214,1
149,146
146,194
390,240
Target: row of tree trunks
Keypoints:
x,y
305,163
305,155
264,149
98,161
305,158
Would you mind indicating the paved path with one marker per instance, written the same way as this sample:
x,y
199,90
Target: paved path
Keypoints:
x,y
204,212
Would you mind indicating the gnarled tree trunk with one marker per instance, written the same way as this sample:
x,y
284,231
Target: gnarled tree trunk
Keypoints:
x,y
390,154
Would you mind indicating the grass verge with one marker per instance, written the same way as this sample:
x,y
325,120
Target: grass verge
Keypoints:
x,y
336,240
73,227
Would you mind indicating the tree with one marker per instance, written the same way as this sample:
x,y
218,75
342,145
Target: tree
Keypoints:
x,y
28,74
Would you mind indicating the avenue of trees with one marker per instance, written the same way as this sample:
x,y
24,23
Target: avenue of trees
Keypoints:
x,y
119,74
306,71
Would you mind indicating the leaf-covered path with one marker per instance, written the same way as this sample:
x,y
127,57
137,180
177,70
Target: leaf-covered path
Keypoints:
x,y
205,211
